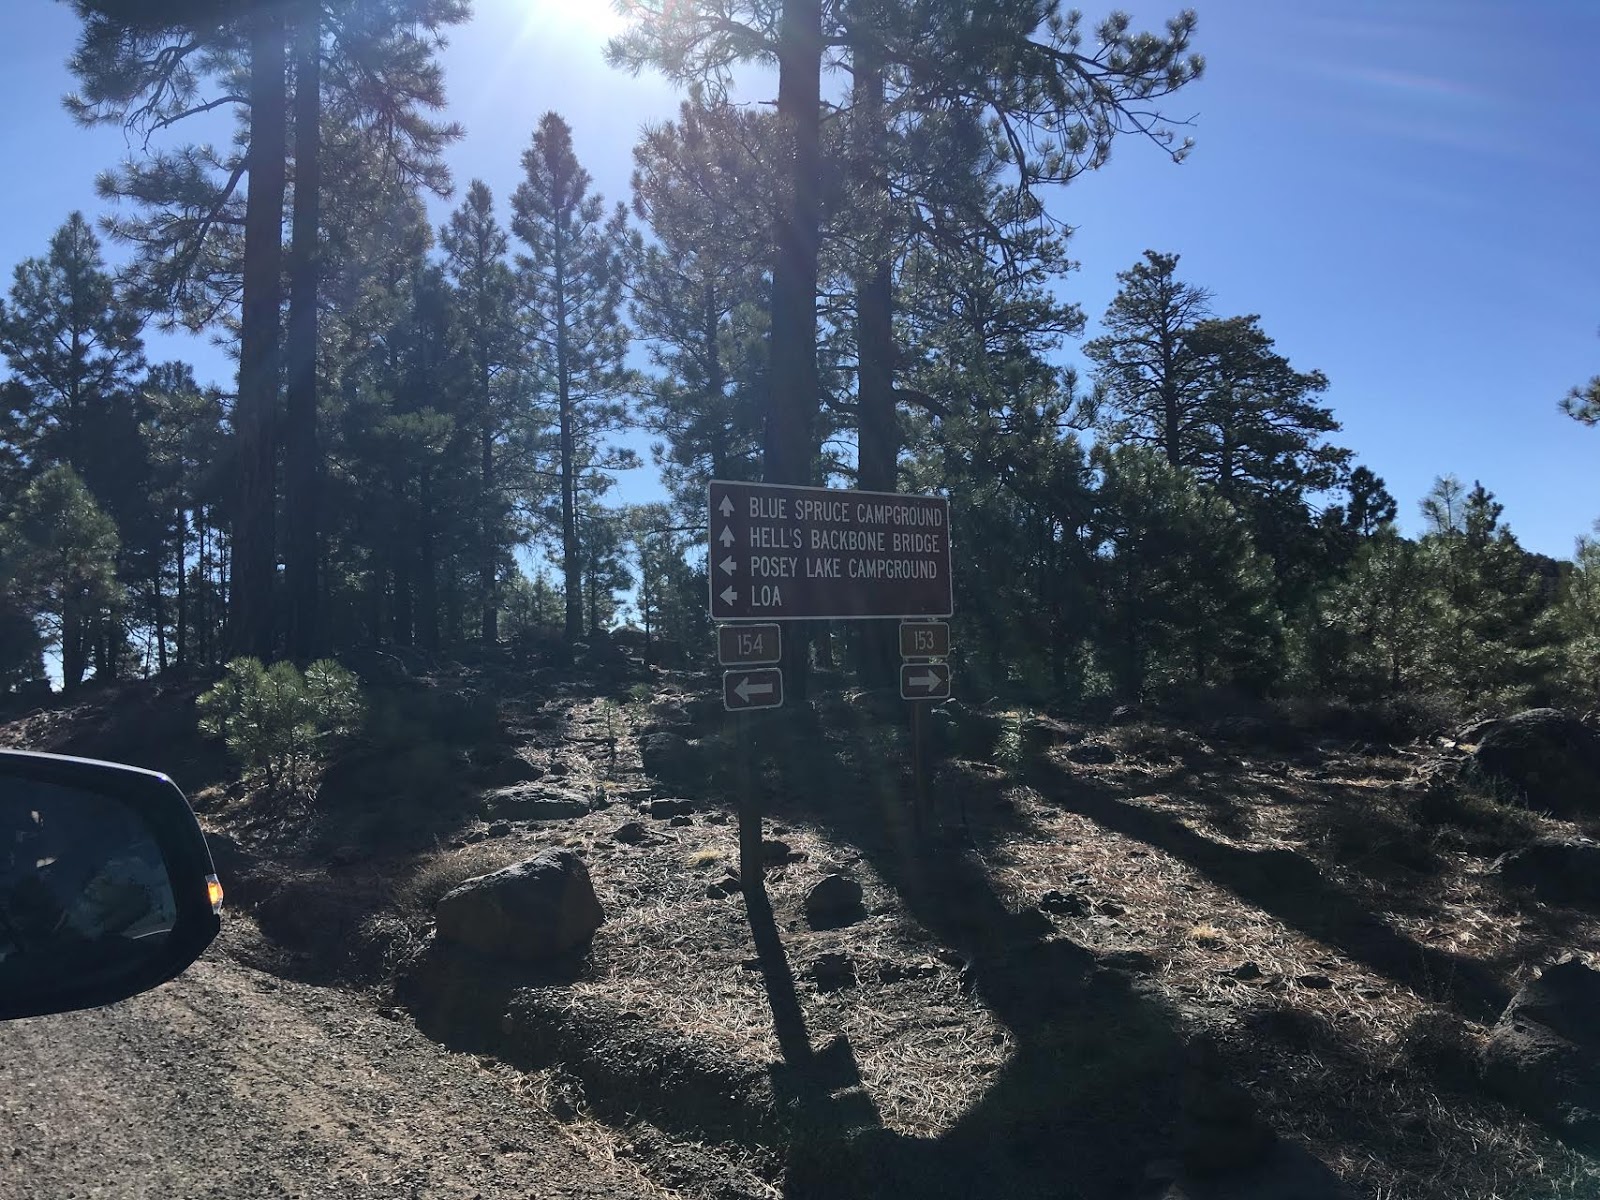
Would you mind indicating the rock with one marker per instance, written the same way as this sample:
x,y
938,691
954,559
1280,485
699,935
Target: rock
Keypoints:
x,y
671,758
559,769
716,818
1543,1055
535,803
662,809
499,829
1064,904
668,714
1246,972
630,833
512,770
529,911
832,971
681,819
475,836
1092,753
774,852
1126,714
1472,732
1041,732
834,900
1133,962
1316,982
1109,908
1545,757
1557,870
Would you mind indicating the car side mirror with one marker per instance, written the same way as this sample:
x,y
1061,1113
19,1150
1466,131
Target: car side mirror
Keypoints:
x,y
106,884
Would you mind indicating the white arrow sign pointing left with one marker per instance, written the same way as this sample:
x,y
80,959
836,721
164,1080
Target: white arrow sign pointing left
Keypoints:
x,y
729,595
727,565
746,689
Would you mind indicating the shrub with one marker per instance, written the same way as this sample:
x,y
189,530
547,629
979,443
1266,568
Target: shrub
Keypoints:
x,y
1009,751
280,724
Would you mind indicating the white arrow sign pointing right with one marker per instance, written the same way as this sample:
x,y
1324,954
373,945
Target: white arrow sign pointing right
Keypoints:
x,y
928,681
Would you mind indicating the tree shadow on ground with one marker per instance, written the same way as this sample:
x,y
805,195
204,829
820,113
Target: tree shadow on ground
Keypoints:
x,y
1291,888
1095,1089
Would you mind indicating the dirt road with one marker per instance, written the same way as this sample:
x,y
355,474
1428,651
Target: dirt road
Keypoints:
x,y
233,1083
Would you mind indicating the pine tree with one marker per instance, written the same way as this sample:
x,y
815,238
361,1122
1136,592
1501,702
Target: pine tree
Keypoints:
x,y
699,294
1575,622
61,551
1583,403
76,350
1379,617
1186,598
475,248
1145,365
1483,637
572,279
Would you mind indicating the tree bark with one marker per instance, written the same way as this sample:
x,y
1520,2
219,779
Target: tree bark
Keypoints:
x,y
301,468
254,532
790,450
572,567
180,630
877,431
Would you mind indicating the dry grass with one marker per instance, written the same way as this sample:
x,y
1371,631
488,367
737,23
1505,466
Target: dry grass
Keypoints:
x,y
1373,1073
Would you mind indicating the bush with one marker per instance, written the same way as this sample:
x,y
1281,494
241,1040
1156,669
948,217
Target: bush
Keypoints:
x,y
280,725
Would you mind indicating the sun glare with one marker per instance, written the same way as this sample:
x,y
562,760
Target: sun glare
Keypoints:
x,y
597,19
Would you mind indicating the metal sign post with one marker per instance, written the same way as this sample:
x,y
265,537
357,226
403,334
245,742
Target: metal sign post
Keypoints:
x,y
922,681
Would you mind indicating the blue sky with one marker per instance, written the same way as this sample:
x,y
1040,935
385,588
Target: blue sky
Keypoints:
x,y
1405,190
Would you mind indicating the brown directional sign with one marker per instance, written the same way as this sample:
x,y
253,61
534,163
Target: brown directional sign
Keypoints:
x,y
749,645
760,688
924,639
925,681
783,553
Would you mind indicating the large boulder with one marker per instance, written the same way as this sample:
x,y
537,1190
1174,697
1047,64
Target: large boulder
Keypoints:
x,y
1546,757
535,802
529,911
1557,870
671,758
1543,1055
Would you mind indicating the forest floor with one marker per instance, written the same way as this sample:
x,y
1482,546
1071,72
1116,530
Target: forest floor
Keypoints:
x,y
1118,953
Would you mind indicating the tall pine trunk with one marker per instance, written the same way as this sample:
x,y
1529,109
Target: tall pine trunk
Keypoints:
x,y
572,567
877,432
300,455
180,635
789,449
489,615
254,529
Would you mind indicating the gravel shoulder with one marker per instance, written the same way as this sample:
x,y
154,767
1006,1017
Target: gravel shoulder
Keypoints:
x,y
229,1082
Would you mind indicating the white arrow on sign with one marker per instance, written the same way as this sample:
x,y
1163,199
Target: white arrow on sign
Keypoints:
x,y
928,681
729,595
746,689
725,537
726,507
727,565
